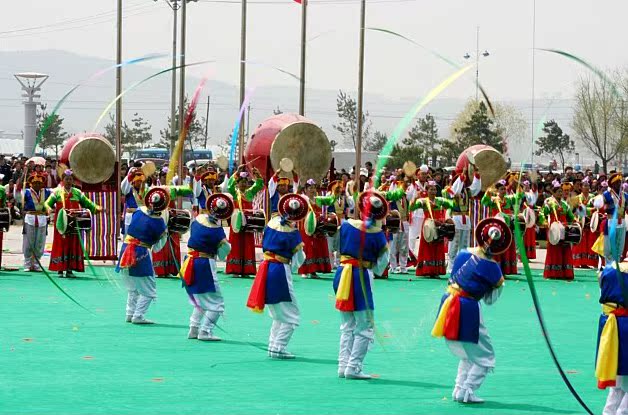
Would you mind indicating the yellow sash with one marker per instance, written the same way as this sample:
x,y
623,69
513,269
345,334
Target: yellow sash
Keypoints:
x,y
608,349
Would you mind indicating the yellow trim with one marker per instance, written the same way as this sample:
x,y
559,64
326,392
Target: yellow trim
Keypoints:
x,y
201,254
608,349
129,239
275,224
377,227
203,219
298,247
276,257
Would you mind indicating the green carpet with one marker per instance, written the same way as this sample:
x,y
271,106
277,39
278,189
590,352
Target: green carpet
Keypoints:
x,y
57,358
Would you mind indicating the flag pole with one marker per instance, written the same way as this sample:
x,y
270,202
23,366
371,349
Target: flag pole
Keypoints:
x,y
242,80
303,42
358,141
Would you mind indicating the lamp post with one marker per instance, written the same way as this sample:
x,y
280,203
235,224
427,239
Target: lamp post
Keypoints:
x,y
477,61
31,85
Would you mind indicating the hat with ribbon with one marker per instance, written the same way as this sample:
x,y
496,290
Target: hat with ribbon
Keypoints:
x,y
220,206
493,236
292,207
157,199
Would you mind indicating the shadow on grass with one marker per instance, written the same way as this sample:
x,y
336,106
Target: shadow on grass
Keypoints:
x,y
407,383
523,407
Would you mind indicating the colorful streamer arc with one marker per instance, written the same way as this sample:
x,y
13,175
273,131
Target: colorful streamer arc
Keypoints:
x,y
138,83
236,130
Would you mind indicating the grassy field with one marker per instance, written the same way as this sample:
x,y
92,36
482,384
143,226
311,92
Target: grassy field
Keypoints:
x,y
58,358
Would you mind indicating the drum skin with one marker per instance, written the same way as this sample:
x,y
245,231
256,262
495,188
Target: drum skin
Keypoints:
x,y
490,163
90,156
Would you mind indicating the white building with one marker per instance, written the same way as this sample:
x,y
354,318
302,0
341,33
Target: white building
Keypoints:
x,y
11,143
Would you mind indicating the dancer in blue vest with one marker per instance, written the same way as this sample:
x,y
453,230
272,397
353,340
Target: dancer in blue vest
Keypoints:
x,y
475,276
283,254
146,231
35,221
363,252
279,185
207,241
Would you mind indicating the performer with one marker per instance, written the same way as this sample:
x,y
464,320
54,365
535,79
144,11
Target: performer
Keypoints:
x,y
475,276
35,221
204,185
167,260
559,258
147,231
416,190
613,200
335,203
583,255
361,257
502,206
67,252
431,259
283,252
611,369
3,205
529,237
133,188
314,246
207,241
461,196
241,259
398,200
279,186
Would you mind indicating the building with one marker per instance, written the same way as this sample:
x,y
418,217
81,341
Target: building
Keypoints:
x,y
11,143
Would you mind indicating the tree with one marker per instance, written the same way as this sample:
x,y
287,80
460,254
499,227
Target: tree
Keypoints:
x,y
132,137
347,110
195,134
425,136
554,142
600,119
377,142
54,135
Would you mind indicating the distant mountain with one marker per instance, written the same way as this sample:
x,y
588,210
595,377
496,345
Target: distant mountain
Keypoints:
x,y
152,99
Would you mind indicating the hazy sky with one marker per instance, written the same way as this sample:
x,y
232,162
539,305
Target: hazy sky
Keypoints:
x,y
593,30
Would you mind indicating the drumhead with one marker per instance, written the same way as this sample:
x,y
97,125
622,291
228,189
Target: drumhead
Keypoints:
x,y
429,230
530,218
595,221
556,233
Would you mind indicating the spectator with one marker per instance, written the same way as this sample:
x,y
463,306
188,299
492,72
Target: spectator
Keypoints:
x,y
5,171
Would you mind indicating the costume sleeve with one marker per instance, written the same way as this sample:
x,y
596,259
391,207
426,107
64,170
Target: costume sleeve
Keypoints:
x,y
52,200
416,204
197,187
568,213
382,261
491,297
85,201
231,186
324,200
298,258
272,185
598,202
3,196
395,195
411,193
224,247
125,186
476,185
531,198
445,203
179,191
250,193
487,200
161,243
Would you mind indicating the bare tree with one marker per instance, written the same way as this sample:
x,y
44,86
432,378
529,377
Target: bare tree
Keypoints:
x,y
347,110
600,119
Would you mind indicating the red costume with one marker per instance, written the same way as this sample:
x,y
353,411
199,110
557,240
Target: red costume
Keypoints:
x,y
583,255
559,258
315,248
431,257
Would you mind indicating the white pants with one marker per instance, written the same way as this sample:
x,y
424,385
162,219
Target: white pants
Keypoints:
x,y
127,221
208,307
617,400
614,247
333,244
460,242
480,354
142,291
286,317
33,245
356,335
414,233
400,247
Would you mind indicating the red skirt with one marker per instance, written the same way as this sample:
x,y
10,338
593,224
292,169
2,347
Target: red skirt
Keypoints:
x,y
583,256
558,262
67,253
241,259
316,254
529,241
431,259
164,262
508,260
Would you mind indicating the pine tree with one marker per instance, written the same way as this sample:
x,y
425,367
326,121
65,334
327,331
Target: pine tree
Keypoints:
x,y
53,135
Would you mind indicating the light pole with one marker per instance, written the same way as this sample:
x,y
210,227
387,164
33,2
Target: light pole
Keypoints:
x,y
358,146
242,79
477,61
31,85
303,44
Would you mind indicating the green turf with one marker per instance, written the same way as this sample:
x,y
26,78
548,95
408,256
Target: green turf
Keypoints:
x,y
57,358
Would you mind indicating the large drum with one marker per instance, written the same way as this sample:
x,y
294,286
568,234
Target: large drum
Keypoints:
x,y
254,221
327,225
437,231
5,219
90,156
179,221
490,163
79,220
564,234
289,136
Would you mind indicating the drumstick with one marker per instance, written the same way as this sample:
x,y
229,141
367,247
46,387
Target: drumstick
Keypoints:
x,y
246,164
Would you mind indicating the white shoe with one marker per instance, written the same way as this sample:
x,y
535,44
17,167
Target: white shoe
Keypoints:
x,y
469,397
282,355
193,333
129,318
356,375
208,337
457,395
403,270
396,270
341,371
141,320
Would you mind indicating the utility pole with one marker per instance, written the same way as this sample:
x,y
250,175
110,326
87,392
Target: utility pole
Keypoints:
x,y
207,121
118,118
173,97
358,150
182,94
303,44
242,80
477,62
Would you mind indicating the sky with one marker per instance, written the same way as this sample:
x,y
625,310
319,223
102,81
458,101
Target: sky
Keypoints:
x,y
396,69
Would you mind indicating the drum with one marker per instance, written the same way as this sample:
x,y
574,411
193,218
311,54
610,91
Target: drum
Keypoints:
x,y
90,156
489,162
254,221
564,234
5,219
529,217
179,221
594,221
79,220
445,230
573,234
393,222
327,225
430,232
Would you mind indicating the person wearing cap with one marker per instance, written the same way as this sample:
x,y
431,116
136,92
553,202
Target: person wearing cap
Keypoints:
x,y
364,252
147,231
35,221
133,188
241,259
204,186
611,368
397,198
418,189
199,273
314,244
583,255
353,189
272,287
559,258
613,200
502,206
279,185
67,251
529,237
461,195
475,277
431,258
334,202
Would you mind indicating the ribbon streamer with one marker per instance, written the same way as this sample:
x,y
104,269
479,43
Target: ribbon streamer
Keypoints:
x,y
236,130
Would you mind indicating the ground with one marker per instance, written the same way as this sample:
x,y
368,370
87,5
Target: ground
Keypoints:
x,y
60,359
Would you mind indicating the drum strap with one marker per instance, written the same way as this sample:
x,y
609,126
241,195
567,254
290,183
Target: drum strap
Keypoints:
x,y
428,203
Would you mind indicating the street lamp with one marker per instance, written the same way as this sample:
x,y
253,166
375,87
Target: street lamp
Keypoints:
x,y
485,54
31,86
